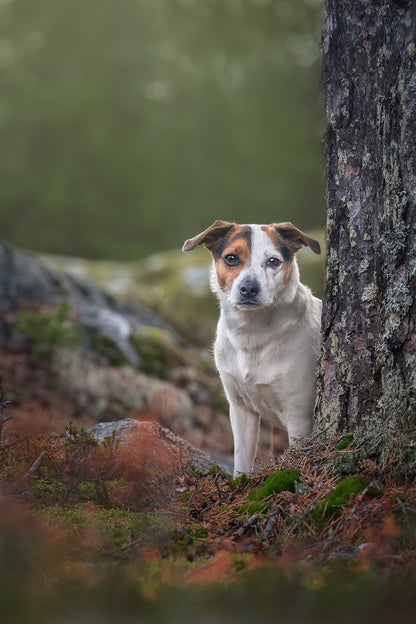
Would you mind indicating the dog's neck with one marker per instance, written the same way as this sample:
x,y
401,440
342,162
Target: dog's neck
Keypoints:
x,y
256,326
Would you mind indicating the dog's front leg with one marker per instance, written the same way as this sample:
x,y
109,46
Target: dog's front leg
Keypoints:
x,y
299,424
245,426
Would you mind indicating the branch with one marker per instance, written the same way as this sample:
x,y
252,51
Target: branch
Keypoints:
x,y
34,466
6,445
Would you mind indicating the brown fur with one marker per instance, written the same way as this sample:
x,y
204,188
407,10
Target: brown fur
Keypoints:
x,y
285,251
211,237
238,245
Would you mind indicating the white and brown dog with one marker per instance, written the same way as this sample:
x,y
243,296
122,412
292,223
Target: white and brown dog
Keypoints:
x,y
268,334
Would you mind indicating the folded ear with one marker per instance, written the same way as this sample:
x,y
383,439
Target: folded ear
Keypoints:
x,y
295,238
209,237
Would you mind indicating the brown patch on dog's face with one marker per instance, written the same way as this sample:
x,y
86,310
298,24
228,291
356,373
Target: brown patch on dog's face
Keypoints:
x,y
233,256
284,250
230,245
288,239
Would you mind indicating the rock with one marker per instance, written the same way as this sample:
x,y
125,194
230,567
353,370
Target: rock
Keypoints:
x,y
153,446
110,392
176,284
113,359
348,552
26,282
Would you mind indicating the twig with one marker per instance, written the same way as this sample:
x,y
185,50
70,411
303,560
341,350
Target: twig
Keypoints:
x,y
34,466
245,526
6,445
216,478
140,540
271,524
403,508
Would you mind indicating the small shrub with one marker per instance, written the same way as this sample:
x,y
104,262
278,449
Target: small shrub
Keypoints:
x,y
214,470
79,471
48,331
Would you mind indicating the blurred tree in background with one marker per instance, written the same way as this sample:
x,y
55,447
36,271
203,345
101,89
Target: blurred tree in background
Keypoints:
x,y
128,126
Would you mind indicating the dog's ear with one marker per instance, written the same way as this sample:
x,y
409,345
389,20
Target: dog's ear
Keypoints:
x,y
209,237
295,238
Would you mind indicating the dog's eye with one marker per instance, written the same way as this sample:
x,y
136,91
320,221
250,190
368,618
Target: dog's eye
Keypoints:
x,y
273,262
231,260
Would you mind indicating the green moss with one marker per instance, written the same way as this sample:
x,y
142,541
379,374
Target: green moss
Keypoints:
x,y
239,562
186,536
250,509
389,448
280,481
107,347
346,441
199,533
117,528
343,494
241,481
158,354
214,470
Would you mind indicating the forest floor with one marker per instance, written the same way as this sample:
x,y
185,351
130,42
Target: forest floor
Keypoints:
x,y
326,533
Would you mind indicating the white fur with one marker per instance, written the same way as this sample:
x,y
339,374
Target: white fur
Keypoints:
x,y
267,355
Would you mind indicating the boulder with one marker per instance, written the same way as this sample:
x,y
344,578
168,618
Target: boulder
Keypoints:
x,y
125,360
152,446
28,283
109,392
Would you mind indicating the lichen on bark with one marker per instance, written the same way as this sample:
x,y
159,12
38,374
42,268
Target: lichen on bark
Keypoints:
x,y
367,369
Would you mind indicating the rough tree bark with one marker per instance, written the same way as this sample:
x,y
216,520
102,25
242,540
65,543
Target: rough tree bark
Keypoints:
x,y
367,374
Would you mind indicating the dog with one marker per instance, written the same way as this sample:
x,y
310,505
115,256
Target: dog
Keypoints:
x,y
268,335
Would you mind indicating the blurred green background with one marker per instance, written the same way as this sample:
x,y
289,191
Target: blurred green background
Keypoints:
x,y
128,126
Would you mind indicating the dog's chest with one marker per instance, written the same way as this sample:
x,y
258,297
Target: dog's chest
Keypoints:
x,y
256,378
254,367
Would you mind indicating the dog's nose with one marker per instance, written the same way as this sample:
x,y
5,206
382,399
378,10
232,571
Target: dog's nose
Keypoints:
x,y
249,289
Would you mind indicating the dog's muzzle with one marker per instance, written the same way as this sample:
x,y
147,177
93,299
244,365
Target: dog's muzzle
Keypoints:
x,y
248,292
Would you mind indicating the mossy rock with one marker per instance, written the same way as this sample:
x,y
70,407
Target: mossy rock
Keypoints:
x,y
343,495
280,481
158,354
108,347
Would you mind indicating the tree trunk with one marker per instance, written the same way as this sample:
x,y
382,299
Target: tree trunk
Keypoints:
x,y
367,374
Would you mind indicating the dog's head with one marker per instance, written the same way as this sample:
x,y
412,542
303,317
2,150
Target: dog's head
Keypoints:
x,y
254,264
